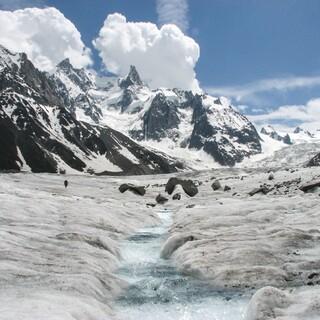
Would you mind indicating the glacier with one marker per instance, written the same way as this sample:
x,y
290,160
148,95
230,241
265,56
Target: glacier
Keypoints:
x,y
90,252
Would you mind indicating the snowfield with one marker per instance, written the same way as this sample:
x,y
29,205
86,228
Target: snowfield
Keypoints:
x,y
90,252
59,248
247,243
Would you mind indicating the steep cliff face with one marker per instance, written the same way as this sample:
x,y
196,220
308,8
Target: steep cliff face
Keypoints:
x,y
222,132
172,119
39,131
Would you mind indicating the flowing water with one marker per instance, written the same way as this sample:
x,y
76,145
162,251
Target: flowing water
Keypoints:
x,y
157,291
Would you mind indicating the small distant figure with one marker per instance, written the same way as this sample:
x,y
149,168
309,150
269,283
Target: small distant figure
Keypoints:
x,y
66,183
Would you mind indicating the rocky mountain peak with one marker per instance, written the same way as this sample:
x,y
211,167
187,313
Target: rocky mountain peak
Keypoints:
x,y
166,119
77,81
10,60
286,139
65,65
133,78
298,130
40,132
4,52
267,130
272,133
18,75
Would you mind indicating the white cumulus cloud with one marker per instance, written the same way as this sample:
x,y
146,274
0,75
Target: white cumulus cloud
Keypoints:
x,y
45,35
164,57
173,12
251,90
307,115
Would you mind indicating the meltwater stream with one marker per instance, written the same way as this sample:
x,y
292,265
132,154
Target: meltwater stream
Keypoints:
x,y
157,291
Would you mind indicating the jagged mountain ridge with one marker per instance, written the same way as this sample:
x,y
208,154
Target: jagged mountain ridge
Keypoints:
x,y
173,123
170,119
39,130
295,136
272,133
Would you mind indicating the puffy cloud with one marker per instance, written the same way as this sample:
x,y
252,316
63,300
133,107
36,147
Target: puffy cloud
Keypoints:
x,y
173,11
45,35
307,115
164,57
249,92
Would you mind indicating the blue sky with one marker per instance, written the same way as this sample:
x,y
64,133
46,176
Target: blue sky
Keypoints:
x,y
262,54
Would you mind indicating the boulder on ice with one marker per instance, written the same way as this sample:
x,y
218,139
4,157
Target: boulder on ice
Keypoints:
x,y
139,190
189,187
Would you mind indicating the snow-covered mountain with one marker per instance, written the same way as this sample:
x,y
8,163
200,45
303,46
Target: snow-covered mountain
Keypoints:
x,y
301,135
193,127
294,147
74,119
298,135
77,121
39,130
271,132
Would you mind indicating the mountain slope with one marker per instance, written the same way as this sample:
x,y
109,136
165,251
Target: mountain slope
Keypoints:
x,y
63,119
38,129
177,122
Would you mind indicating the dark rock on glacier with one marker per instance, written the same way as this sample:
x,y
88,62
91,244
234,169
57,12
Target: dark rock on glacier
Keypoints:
x,y
177,196
262,189
139,190
216,185
314,162
151,205
310,186
188,186
271,176
161,199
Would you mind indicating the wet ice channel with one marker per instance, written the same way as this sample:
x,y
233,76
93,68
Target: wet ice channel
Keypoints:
x,y
157,291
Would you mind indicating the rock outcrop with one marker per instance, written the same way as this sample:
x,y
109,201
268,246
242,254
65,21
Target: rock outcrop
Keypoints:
x,y
139,190
272,133
314,162
40,132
